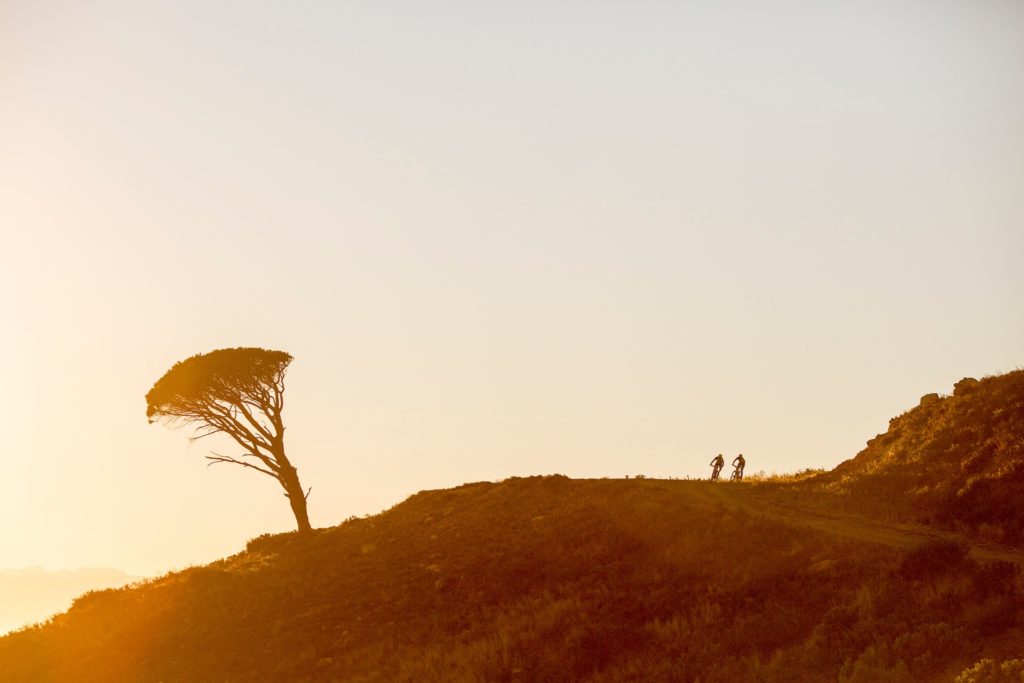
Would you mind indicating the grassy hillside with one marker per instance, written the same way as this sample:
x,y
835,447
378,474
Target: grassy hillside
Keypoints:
x,y
956,461
545,579
552,579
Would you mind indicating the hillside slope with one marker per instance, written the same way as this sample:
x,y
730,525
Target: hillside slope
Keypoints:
x,y
955,461
811,578
27,595
547,579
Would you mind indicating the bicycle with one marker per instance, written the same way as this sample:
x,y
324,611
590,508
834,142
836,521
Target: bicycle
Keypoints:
x,y
737,474
715,472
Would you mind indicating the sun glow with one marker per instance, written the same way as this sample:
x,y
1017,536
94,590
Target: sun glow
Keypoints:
x,y
495,245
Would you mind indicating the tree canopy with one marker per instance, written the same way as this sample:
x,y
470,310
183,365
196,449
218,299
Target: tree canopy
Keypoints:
x,y
224,376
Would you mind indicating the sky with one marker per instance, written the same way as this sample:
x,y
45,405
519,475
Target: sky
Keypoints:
x,y
500,239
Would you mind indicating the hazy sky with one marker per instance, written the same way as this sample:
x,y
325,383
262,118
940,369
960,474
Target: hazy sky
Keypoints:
x,y
499,239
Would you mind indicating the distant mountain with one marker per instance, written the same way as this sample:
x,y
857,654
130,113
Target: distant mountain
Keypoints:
x,y
608,581
33,594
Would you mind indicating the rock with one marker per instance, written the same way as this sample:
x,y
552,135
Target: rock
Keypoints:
x,y
965,386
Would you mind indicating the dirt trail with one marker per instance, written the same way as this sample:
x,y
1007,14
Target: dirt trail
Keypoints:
x,y
748,497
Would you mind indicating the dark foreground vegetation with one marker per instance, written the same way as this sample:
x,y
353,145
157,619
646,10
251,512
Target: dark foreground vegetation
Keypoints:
x,y
545,579
552,579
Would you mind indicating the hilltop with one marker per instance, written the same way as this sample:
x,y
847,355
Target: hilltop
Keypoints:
x,y
954,461
554,579
548,579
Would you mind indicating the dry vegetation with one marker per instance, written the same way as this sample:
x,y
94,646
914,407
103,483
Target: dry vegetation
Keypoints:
x,y
953,461
544,579
552,579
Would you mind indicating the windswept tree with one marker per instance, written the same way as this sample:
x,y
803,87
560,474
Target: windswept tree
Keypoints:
x,y
239,393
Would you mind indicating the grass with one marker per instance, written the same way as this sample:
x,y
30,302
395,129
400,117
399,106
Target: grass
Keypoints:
x,y
551,579
543,579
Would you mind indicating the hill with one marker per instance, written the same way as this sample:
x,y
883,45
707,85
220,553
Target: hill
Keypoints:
x,y
26,595
553,579
954,461
547,579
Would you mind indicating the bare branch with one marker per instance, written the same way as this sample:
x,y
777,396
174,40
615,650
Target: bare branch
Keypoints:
x,y
252,419
201,434
252,446
215,458
230,424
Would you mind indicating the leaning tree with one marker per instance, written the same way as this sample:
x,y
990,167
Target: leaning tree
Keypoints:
x,y
239,393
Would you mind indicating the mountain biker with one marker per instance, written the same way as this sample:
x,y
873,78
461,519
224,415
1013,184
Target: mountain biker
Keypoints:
x,y
738,464
717,464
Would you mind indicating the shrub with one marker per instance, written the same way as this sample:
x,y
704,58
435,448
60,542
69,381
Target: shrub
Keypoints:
x,y
987,671
933,557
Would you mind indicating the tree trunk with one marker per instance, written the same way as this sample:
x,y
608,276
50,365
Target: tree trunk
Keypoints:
x,y
296,497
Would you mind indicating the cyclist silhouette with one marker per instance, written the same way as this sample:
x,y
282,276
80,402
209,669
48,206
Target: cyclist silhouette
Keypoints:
x,y
717,464
738,464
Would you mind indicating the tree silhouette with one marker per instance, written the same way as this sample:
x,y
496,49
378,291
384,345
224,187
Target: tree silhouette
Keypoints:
x,y
240,393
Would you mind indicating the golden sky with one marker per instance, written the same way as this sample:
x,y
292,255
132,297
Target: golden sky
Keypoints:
x,y
498,241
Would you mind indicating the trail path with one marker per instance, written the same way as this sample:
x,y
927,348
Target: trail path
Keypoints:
x,y
751,498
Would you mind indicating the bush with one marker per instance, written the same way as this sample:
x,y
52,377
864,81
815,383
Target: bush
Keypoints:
x,y
932,558
987,671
